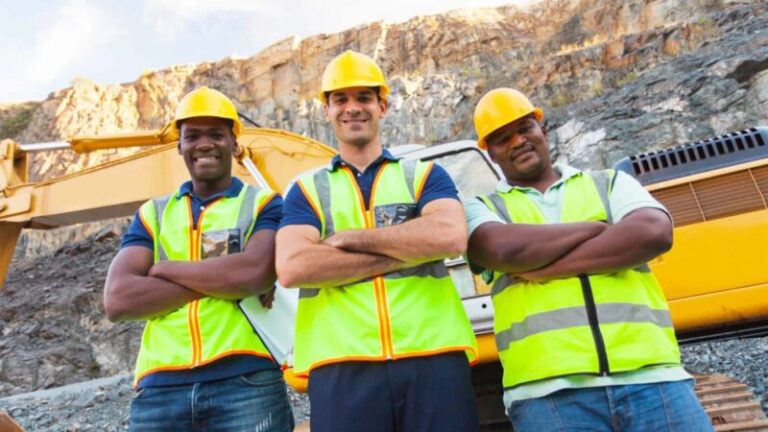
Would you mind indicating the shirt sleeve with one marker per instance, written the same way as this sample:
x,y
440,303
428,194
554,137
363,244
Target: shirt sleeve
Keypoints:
x,y
269,216
628,195
298,211
478,213
438,185
137,234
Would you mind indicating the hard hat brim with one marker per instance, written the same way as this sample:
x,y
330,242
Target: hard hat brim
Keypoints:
x,y
537,112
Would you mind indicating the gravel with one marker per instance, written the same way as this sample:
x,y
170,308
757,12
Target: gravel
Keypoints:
x,y
743,359
102,405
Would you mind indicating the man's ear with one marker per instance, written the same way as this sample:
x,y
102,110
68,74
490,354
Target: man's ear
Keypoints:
x,y
325,111
178,146
384,106
237,149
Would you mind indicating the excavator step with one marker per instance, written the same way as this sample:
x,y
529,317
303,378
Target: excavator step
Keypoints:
x,y
721,389
7,424
729,404
756,425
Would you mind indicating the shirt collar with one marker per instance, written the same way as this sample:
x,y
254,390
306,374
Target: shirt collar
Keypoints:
x,y
337,161
232,191
565,171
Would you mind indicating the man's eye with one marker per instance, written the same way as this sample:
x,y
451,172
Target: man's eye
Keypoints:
x,y
500,140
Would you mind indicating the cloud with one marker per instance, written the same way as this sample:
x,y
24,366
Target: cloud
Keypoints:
x,y
76,33
66,40
171,17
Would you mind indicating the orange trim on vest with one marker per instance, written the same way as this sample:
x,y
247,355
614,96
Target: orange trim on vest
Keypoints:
x,y
309,200
444,350
194,330
423,181
146,226
265,202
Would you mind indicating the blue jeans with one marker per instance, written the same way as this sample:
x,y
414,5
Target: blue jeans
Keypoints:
x,y
253,402
667,406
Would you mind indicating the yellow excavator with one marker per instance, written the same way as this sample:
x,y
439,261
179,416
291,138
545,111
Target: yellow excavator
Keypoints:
x,y
714,277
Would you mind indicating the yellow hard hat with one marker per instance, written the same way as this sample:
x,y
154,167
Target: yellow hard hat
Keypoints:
x,y
207,102
500,107
352,69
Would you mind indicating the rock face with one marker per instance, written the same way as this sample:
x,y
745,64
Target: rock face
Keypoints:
x,y
53,326
614,77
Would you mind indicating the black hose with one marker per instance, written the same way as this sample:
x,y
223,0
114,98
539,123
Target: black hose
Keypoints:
x,y
248,120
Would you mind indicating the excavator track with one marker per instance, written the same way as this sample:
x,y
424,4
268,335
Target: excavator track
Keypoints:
x,y
729,404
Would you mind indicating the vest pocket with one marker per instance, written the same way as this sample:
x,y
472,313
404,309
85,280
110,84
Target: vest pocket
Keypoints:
x,y
394,214
220,242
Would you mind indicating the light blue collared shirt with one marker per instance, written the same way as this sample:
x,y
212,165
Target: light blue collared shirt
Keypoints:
x,y
626,196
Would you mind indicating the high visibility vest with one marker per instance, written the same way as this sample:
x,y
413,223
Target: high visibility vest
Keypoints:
x,y
207,329
598,324
409,313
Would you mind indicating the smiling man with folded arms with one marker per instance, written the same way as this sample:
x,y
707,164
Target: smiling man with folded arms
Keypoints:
x,y
582,327
381,330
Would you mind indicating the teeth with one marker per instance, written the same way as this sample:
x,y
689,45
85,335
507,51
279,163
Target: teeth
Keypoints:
x,y
206,159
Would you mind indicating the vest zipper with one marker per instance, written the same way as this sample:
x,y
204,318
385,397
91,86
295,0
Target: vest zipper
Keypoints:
x,y
193,313
594,324
380,288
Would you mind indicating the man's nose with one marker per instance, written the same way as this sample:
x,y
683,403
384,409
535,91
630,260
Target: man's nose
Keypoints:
x,y
352,107
516,140
205,141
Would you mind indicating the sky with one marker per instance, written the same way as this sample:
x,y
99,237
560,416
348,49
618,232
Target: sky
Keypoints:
x,y
46,44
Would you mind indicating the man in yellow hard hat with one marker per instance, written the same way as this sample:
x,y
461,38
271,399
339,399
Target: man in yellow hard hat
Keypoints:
x,y
380,329
185,261
582,327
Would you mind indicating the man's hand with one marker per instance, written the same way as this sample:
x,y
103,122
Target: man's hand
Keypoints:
x,y
440,232
304,261
266,299
130,293
229,277
523,248
338,240
636,239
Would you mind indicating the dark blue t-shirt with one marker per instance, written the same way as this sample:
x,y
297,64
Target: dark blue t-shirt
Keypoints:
x,y
298,211
269,216
231,366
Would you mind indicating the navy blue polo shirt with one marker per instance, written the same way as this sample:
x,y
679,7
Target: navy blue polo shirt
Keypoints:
x,y
298,211
231,366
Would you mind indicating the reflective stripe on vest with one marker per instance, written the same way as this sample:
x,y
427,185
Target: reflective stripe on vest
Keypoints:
x,y
597,324
577,316
208,329
407,313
